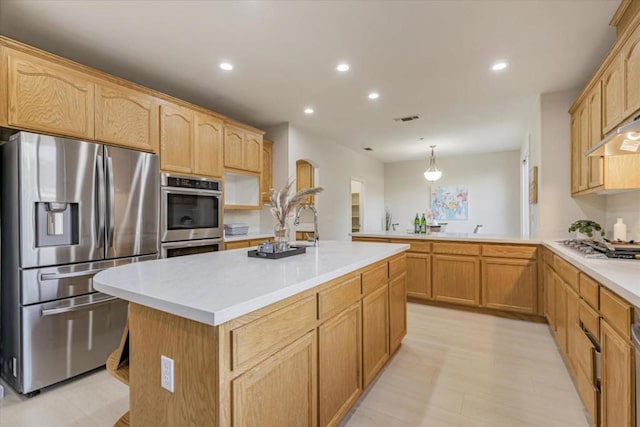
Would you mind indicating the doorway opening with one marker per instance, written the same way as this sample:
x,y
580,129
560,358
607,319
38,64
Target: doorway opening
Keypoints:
x,y
357,205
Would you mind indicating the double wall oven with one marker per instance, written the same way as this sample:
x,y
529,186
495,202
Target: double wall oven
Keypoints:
x,y
190,215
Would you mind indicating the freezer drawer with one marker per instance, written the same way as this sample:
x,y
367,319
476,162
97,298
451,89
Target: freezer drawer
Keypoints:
x,y
65,338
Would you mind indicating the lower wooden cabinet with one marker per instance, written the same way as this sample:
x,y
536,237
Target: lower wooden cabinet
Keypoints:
x,y
375,332
510,284
419,275
574,333
549,296
397,311
456,279
340,364
281,391
617,379
561,313
236,245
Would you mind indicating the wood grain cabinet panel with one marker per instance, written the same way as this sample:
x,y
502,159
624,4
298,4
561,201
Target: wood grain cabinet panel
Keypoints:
x,y
339,365
208,146
567,272
510,284
242,149
266,179
305,178
337,298
456,279
237,244
126,117
281,391
397,311
612,95
233,147
560,306
419,275
583,183
49,97
617,379
375,277
594,106
456,248
617,312
589,290
631,66
252,155
510,251
574,333
589,319
575,152
375,333
550,295
176,138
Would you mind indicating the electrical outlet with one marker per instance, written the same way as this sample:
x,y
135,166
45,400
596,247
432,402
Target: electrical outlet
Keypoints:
x,y
166,372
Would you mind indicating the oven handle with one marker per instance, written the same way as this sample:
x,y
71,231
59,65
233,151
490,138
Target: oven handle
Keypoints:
x,y
177,190
85,306
191,244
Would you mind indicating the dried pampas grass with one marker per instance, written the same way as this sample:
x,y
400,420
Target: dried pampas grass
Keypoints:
x,y
284,201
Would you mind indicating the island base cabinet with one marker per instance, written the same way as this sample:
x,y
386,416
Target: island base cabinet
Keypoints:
x,y
340,365
617,379
375,332
419,275
509,284
456,279
280,391
397,311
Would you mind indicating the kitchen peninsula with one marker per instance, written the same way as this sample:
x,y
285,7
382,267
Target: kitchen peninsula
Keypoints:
x,y
293,341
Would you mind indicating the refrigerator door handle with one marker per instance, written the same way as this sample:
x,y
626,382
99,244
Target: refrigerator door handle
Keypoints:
x,y
100,202
78,307
58,276
112,203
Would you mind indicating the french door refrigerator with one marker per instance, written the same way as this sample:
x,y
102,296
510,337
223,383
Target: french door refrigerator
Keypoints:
x,y
70,209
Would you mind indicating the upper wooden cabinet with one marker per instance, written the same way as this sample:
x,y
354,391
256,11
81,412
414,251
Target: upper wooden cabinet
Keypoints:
x,y
127,117
47,96
305,178
242,149
266,179
190,141
594,119
631,68
612,95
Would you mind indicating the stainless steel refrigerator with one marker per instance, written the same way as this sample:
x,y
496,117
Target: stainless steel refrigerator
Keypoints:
x,y
69,210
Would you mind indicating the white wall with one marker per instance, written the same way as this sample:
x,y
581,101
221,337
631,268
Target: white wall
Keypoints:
x,y
492,179
556,209
626,206
335,166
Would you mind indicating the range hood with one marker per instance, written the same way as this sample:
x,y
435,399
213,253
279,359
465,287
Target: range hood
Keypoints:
x,y
624,140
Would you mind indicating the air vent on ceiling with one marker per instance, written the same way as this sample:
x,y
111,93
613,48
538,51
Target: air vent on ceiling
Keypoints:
x,y
368,149
406,119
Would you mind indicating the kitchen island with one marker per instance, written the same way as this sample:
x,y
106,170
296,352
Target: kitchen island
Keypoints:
x,y
282,342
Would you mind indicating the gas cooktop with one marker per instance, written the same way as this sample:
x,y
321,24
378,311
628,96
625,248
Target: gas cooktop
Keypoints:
x,y
604,249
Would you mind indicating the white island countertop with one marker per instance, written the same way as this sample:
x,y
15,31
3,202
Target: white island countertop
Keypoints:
x,y
216,287
463,237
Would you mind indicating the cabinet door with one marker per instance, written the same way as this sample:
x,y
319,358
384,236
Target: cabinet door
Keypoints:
x,y
612,95
233,145
266,182
575,151
339,364
561,312
456,279
252,152
375,333
48,97
631,64
617,379
236,245
510,284
583,184
418,275
176,138
574,333
305,178
126,117
281,391
550,296
208,146
397,311
594,106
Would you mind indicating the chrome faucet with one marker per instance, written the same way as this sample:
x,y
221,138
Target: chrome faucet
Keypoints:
x,y
296,221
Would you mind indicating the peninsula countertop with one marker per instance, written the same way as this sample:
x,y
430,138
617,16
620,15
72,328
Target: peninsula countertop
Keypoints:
x,y
463,237
216,287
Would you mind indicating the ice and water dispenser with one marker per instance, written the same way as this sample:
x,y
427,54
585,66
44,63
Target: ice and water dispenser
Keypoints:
x,y
57,224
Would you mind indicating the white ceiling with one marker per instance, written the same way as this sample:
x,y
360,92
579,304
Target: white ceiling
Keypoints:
x,y
429,58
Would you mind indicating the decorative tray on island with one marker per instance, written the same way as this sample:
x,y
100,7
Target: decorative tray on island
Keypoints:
x,y
293,250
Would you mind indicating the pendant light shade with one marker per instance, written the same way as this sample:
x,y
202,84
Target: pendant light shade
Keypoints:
x,y
432,173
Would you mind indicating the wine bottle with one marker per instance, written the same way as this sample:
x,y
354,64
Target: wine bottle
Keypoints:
x,y
416,224
423,225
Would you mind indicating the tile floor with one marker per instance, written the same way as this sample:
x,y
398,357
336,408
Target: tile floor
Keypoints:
x,y
454,368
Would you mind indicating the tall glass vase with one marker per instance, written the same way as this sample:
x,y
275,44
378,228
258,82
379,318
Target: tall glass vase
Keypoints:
x,y
281,232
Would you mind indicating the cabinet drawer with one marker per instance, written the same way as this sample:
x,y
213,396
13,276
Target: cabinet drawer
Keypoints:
x,y
250,343
236,245
256,242
616,311
374,278
369,239
416,245
589,290
509,251
588,393
338,297
456,248
585,355
590,319
397,266
566,271
548,256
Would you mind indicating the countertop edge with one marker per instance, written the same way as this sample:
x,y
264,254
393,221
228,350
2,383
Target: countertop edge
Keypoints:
x,y
450,237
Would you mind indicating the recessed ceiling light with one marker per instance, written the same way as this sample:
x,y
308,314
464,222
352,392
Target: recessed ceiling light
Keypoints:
x,y
343,67
226,66
499,66
308,110
373,95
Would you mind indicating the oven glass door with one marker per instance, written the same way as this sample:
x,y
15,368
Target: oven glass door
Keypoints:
x,y
189,214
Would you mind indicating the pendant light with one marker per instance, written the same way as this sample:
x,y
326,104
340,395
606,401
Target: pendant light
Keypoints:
x,y
432,173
